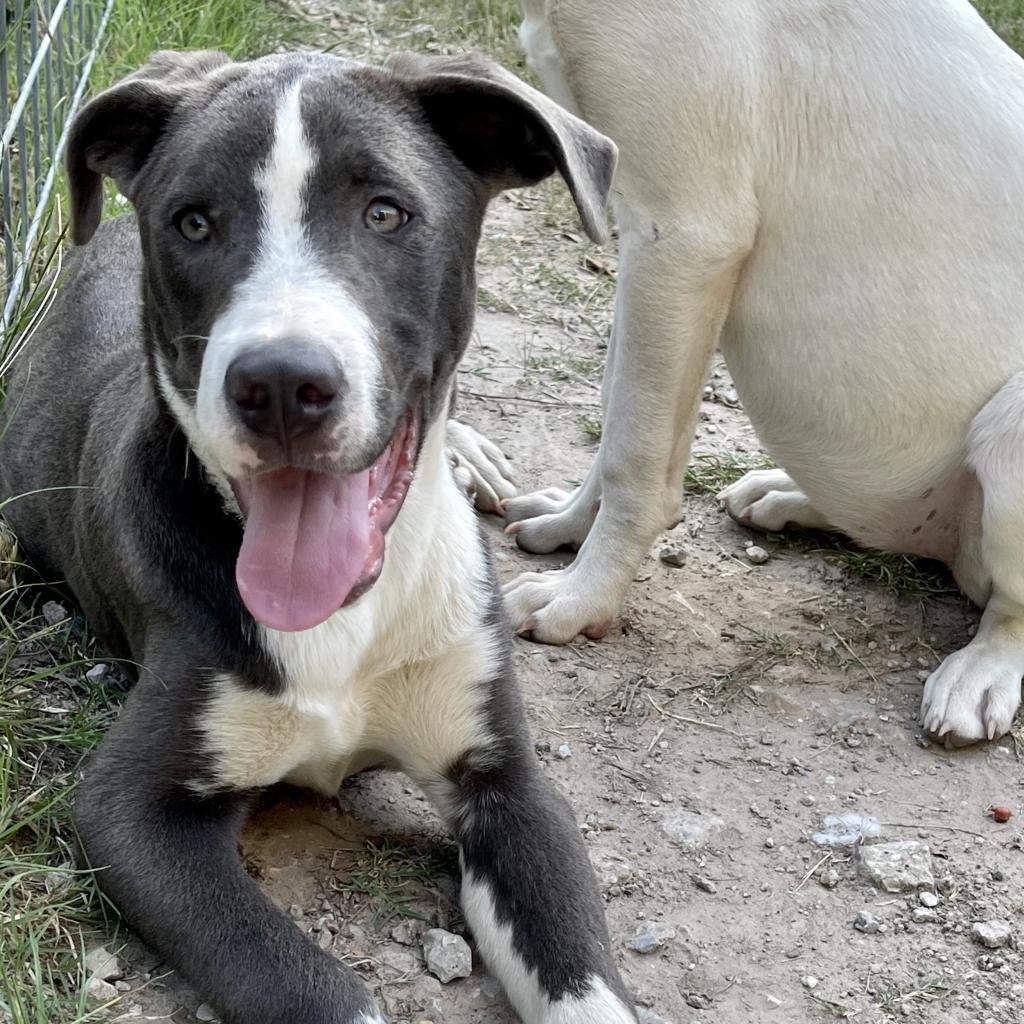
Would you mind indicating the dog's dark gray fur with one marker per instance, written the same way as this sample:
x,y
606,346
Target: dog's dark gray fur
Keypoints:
x,y
107,495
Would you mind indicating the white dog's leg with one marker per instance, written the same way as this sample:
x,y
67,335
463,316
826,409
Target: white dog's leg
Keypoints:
x,y
974,694
768,499
674,291
479,467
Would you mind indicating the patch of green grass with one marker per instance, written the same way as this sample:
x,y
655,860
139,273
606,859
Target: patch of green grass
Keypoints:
x,y
395,876
709,473
1007,18
591,426
903,575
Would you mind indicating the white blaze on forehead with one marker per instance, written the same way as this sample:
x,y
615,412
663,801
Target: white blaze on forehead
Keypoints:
x,y
289,294
282,180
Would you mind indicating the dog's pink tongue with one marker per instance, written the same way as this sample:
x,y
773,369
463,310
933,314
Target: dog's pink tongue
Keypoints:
x,y
306,544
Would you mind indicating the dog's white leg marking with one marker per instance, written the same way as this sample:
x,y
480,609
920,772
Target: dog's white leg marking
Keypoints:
x,y
974,694
551,519
598,1005
768,499
665,331
480,467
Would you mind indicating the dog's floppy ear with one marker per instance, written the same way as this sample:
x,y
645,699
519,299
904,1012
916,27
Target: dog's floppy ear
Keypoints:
x,y
509,133
115,133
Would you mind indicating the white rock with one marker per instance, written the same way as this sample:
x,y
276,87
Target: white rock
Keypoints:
x,y
102,964
929,899
902,866
564,752
206,1013
448,956
97,672
847,829
54,612
690,830
757,555
924,915
100,991
867,923
650,937
992,934
809,981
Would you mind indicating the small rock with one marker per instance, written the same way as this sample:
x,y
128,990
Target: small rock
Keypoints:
x,y
867,923
902,866
774,1002
409,932
809,981
564,752
673,556
206,1013
649,1017
102,964
757,555
829,879
650,937
448,956
690,830
1001,815
923,915
97,672
929,899
807,800
100,991
992,934
54,612
704,884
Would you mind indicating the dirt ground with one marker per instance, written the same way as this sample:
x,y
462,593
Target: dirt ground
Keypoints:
x,y
708,736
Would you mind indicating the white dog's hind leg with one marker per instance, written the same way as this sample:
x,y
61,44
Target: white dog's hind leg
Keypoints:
x,y
974,694
674,290
479,467
768,499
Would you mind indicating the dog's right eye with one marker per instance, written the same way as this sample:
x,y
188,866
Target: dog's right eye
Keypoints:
x,y
193,225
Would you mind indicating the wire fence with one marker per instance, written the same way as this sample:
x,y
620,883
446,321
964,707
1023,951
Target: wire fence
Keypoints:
x,y
47,50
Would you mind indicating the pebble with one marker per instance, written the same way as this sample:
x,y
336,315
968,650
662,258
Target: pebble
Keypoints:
x,y
54,612
807,800
650,937
829,879
409,932
809,981
673,556
448,956
690,830
649,1017
206,1012
757,555
902,866
922,915
993,934
564,752
102,964
100,991
97,672
704,884
867,923
929,899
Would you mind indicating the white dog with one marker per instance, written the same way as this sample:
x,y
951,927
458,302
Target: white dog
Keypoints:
x,y
832,191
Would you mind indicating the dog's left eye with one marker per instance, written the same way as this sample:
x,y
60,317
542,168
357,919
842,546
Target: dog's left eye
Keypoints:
x,y
193,225
384,216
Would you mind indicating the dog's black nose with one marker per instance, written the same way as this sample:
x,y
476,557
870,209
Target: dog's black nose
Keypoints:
x,y
285,391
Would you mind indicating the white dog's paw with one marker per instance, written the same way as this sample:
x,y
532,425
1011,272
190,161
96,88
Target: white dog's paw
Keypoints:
x,y
769,500
479,467
553,607
972,696
547,520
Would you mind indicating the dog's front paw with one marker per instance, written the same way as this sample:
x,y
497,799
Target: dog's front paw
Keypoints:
x,y
972,696
479,467
769,500
547,520
553,607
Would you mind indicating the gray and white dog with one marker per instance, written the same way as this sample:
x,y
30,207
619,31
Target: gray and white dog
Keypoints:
x,y
236,403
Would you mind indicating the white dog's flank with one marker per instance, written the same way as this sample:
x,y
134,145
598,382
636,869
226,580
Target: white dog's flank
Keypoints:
x,y
834,194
